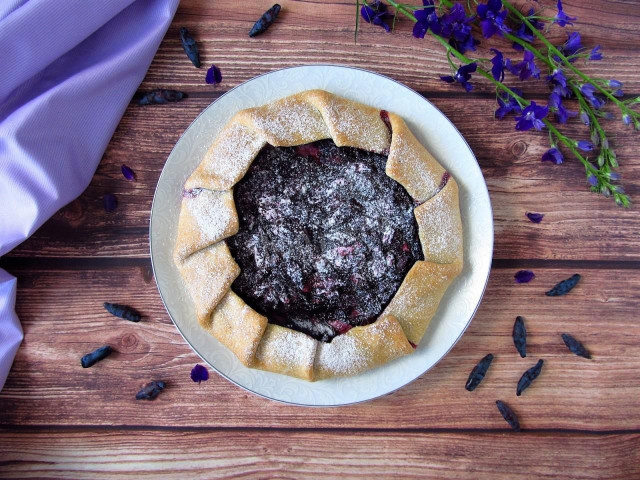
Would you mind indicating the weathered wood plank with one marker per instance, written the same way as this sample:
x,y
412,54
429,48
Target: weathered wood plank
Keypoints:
x,y
323,32
315,454
63,318
517,180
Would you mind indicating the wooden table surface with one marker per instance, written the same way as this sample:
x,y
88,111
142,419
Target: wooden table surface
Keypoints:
x,y
581,419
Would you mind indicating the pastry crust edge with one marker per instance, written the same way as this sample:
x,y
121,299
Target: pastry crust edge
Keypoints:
x,y
409,163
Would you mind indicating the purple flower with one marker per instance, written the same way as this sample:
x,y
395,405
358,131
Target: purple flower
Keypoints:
x,y
531,117
595,54
109,202
376,13
555,105
626,119
572,46
588,91
427,19
199,374
592,179
128,173
535,217
524,32
492,19
562,18
498,65
617,93
584,145
524,276
614,176
507,103
462,76
526,68
553,155
456,26
559,82
584,118
615,83
214,75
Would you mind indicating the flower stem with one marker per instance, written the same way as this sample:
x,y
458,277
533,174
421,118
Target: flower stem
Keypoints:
x,y
524,102
569,143
560,55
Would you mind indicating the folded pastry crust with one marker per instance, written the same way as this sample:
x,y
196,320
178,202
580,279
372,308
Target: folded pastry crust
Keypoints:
x,y
208,216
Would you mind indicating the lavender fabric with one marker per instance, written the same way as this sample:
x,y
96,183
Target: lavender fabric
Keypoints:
x,y
68,71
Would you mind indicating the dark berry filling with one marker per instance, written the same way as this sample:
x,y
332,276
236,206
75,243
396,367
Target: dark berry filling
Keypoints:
x,y
325,239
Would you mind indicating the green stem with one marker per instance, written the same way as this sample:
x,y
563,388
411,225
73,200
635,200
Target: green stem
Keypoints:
x,y
557,52
400,7
523,102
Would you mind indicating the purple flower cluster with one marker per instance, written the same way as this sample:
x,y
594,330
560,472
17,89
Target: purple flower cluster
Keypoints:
x,y
561,18
492,18
527,68
523,31
462,76
454,25
377,14
508,103
531,117
558,109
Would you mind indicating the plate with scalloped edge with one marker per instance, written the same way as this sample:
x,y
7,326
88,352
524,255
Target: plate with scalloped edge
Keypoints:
x,y
434,131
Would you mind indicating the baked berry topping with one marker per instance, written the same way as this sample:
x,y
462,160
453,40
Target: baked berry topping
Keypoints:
x,y
445,179
325,237
384,115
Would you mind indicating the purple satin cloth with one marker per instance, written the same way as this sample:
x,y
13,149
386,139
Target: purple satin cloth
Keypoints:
x,y
68,70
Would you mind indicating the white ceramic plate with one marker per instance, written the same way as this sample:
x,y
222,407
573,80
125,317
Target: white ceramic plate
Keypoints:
x,y
435,132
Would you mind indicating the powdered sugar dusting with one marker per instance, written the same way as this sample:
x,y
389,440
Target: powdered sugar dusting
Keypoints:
x,y
208,275
290,121
362,127
286,347
232,153
409,167
439,228
343,356
212,212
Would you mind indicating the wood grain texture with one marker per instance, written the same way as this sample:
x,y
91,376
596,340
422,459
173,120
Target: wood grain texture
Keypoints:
x,y
63,318
308,32
307,454
518,182
581,418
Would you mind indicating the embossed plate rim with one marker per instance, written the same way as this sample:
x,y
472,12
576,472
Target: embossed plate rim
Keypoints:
x,y
332,392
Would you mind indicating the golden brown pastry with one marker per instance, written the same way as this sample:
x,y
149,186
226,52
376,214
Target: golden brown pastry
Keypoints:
x,y
208,217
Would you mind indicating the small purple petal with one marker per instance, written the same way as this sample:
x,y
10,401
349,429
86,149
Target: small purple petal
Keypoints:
x,y
128,173
214,75
553,155
199,373
524,276
585,146
584,117
593,180
110,202
535,217
595,54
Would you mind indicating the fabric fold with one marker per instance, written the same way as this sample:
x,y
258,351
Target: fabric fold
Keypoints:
x,y
70,68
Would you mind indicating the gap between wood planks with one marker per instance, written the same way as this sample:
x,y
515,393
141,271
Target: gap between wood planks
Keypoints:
x,y
81,263
325,430
427,94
